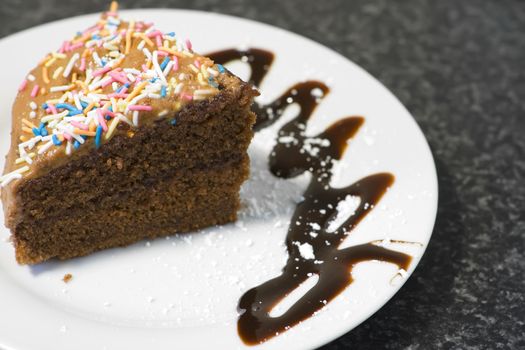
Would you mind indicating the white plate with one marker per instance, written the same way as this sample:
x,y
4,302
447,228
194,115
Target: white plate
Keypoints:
x,y
182,292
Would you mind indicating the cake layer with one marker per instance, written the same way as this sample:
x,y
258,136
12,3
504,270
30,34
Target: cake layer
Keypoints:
x,y
221,133
178,204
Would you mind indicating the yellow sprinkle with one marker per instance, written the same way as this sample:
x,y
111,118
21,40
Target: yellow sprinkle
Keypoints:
x,y
54,101
23,138
111,128
57,72
119,62
201,80
45,77
136,91
113,7
50,62
171,51
166,43
84,132
28,123
85,53
114,104
89,107
193,68
21,160
145,38
26,129
149,63
59,55
61,138
74,77
92,126
43,91
128,36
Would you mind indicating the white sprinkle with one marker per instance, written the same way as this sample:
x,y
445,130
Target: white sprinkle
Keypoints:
x,y
45,147
60,88
33,105
136,118
60,115
31,77
77,102
213,72
168,68
70,64
68,148
32,114
140,46
96,58
14,172
163,113
100,82
157,67
147,53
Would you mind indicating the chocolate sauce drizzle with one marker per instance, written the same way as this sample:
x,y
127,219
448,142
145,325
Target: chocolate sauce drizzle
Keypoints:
x,y
312,217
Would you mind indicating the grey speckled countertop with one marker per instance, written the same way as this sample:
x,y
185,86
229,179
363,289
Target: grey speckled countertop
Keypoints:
x,y
459,67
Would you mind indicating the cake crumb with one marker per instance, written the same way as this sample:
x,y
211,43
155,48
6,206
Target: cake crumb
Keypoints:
x,y
67,278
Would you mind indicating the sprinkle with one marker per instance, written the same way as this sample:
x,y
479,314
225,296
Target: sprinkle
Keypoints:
x,y
33,105
173,122
28,123
164,63
61,88
56,141
31,77
45,147
23,85
32,114
175,63
98,136
82,64
136,91
112,128
96,58
69,66
189,46
136,118
221,68
76,144
57,72
101,120
34,92
163,91
140,108
170,51
50,62
101,71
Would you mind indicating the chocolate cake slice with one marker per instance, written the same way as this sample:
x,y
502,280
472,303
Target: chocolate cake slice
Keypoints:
x,y
124,133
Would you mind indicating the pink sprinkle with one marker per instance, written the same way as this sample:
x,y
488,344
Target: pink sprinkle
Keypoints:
x,y
79,125
154,33
140,108
187,97
112,14
108,82
67,136
82,64
197,64
188,44
144,68
76,46
161,53
120,77
159,41
63,47
175,63
34,92
101,71
119,95
23,85
101,120
107,112
52,108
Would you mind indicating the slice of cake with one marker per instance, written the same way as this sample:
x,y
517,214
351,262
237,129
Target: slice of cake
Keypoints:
x,y
123,134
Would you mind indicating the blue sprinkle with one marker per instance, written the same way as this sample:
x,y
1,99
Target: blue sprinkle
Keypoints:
x,y
74,112
107,117
110,108
96,37
42,129
171,34
103,62
119,89
164,63
65,106
76,144
98,136
56,141
221,68
83,104
44,106
173,122
212,82
163,91
154,80
36,132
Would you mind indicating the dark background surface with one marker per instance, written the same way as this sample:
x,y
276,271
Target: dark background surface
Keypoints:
x,y
459,67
